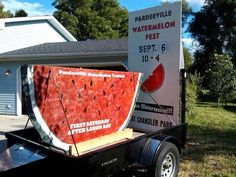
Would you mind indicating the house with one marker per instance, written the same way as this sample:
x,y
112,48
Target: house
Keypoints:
x,y
18,33
104,54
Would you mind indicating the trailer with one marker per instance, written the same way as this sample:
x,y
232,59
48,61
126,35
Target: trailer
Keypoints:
x,y
157,152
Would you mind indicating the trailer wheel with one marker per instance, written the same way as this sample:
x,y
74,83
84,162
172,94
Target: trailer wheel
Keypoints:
x,y
166,161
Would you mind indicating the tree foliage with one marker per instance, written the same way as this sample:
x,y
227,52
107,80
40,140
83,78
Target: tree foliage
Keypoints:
x,y
4,14
214,28
221,77
20,13
191,95
188,59
186,11
92,19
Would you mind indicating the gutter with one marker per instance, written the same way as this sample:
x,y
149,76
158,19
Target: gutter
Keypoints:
x,y
81,55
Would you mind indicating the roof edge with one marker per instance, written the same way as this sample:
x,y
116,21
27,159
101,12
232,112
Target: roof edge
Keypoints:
x,y
61,28
31,18
64,55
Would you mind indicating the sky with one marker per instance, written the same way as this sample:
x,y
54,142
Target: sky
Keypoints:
x,y
44,7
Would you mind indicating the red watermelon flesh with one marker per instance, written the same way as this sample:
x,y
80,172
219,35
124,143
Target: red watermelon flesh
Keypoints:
x,y
83,102
155,80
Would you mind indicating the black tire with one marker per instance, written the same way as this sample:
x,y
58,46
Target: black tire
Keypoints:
x,y
166,161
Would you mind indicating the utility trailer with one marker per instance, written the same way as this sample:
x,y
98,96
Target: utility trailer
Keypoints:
x,y
158,152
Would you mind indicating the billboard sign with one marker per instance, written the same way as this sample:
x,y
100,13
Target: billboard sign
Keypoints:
x,y
155,50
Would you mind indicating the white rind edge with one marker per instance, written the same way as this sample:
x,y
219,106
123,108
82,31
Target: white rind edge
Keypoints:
x,y
135,97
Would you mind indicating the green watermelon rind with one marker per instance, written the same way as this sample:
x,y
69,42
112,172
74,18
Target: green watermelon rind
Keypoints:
x,y
33,110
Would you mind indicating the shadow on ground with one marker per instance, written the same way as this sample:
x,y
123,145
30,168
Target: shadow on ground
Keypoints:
x,y
209,141
230,108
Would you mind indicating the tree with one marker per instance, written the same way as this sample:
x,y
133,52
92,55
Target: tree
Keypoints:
x,y
186,11
92,19
214,28
188,59
221,76
20,13
4,14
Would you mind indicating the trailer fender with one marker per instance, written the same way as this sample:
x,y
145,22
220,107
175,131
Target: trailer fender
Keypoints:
x,y
152,147
149,151
135,150
167,138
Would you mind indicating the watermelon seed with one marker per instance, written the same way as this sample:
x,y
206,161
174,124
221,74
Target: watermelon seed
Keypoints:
x,y
118,108
131,79
61,97
85,87
105,79
85,109
114,96
123,92
79,96
107,105
47,80
99,112
73,82
94,98
112,85
104,93
91,83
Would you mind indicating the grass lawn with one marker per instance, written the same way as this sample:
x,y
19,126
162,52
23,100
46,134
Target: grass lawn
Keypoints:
x,y
211,143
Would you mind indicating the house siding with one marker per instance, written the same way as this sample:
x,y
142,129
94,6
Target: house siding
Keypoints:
x,y
24,34
8,89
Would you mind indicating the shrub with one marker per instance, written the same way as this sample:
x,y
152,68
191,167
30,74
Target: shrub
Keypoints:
x,y
191,95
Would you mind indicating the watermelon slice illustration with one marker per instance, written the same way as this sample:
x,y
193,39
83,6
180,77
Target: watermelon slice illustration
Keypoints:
x,y
71,105
155,80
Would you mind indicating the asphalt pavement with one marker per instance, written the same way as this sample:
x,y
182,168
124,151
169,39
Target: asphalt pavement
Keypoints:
x,y
10,123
